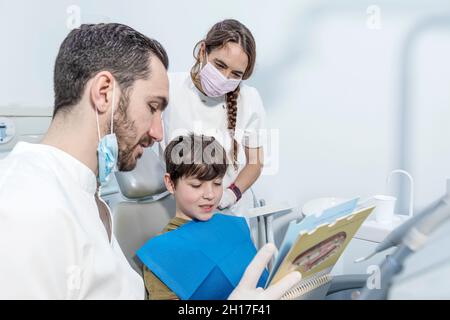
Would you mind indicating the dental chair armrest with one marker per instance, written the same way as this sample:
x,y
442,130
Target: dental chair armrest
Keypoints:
x,y
347,282
264,215
269,210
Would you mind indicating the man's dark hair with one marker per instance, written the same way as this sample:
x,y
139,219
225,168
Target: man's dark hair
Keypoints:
x,y
92,48
198,156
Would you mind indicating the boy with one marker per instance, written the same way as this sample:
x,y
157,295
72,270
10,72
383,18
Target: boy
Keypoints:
x,y
207,254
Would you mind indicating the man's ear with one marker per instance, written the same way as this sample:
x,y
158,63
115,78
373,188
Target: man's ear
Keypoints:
x,y
101,90
169,183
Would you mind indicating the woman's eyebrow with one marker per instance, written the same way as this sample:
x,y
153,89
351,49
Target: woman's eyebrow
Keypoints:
x,y
221,62
226,66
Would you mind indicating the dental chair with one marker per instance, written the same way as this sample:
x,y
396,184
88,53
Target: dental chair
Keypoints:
x,y
146,209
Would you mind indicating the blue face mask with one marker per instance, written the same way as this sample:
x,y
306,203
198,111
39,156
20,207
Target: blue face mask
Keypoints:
x,y
108,148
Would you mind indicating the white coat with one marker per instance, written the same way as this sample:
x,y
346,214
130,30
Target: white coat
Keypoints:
x,y
53,242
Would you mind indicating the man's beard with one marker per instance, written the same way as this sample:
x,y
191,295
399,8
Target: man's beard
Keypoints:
x,y
126,134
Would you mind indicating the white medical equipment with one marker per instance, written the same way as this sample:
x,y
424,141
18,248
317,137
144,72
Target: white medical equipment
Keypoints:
x,y
416,241
22,124
372,232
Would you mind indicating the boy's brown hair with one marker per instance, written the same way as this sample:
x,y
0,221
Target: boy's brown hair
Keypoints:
x,y
198,156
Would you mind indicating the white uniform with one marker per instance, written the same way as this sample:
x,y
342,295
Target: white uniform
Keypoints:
x,y
53,242
190,111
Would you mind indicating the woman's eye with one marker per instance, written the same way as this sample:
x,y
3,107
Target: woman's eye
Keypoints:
x,y
218,183
195,185
220,66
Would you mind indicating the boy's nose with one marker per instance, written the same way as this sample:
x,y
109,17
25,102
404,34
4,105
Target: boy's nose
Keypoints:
x,y
208,192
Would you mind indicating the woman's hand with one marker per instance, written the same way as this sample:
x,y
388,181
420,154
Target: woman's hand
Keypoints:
x,y
228,199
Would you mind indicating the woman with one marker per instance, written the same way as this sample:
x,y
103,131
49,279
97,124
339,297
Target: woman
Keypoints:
x,y
212,100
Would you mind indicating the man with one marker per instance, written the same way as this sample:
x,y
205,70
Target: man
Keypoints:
x,y
111,87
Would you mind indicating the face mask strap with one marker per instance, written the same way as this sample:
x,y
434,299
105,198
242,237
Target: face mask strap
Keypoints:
x,y
98,127
112,112
113,104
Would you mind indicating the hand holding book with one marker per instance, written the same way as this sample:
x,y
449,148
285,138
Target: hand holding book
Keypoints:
x,y
247,288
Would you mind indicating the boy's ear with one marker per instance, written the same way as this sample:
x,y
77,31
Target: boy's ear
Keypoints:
x,y
169,183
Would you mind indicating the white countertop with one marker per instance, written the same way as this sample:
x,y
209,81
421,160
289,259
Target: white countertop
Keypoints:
x,y
374,231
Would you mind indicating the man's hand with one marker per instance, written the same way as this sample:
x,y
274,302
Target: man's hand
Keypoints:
x,y
246,290
228,199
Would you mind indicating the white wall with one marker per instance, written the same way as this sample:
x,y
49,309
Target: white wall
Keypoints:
x,y
330,83
430,112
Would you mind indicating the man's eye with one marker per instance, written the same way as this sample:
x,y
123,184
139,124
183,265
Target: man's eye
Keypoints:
x,y
220,66
195,185
153,107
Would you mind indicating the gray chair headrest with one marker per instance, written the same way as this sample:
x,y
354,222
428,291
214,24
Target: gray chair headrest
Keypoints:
x,y
146,180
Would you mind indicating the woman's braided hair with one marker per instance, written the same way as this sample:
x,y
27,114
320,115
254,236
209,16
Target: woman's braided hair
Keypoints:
x,y
221,33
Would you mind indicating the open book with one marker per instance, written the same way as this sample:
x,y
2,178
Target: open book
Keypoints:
x,y
314,245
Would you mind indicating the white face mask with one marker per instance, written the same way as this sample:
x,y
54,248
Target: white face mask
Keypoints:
x,y
214,83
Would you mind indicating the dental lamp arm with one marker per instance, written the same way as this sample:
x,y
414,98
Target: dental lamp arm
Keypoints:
x,y
415,238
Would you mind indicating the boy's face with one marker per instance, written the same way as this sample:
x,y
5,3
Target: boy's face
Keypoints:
x,y
196,199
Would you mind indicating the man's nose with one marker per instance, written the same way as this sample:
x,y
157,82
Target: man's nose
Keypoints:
x,y
156,129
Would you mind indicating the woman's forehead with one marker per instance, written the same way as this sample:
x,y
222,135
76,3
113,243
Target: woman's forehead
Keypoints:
x,y
232,55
